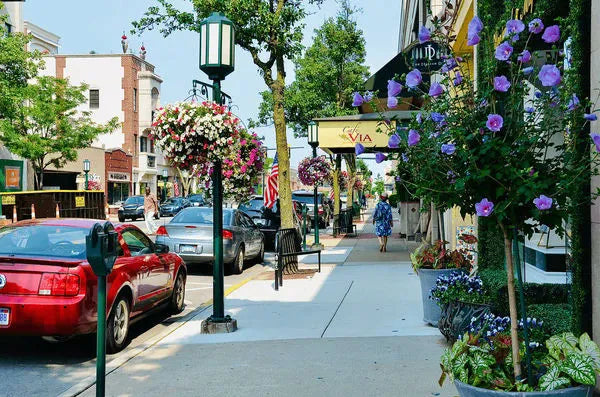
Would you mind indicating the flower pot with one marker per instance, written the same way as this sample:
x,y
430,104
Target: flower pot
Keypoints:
x,y
428,277
456,317
465,390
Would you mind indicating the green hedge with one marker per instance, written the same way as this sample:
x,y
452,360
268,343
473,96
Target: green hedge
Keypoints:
x,y
556,316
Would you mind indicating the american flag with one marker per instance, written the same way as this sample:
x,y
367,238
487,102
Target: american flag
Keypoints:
x,y
331,194
271,191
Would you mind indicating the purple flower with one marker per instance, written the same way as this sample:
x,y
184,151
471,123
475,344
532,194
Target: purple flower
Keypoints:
x,y
551,34
524,57
484,207
424,35
514,26
368,96
532,172
475,27
436,90
501,84
543,202
359,149
596,138
393,88
473,40
590,117
529,109
394,141
458,78
494,122
451,176
448,148
449,65
419,117
414,78
404,157
528,70
536,26
573,103
392,102
398,179
549,76
504,51
538,94
437,117
380,157
413,137
357,99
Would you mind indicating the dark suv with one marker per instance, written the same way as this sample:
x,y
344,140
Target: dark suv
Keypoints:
x,y
308,198
132,208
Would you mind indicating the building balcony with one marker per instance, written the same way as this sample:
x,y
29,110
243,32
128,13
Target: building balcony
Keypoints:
x,y
147,161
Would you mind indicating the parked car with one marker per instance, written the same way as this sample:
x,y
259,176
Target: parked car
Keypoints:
x,y
190,234
308,198
197,200
132,208
269,219
47,287
172,206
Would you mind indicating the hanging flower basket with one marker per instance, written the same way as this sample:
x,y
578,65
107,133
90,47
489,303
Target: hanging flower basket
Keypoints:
x,y
314,171
193,136
358,184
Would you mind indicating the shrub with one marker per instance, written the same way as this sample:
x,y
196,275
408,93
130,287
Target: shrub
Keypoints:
x,y
556,316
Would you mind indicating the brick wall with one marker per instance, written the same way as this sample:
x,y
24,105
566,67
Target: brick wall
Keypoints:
x,y
117,161
131,67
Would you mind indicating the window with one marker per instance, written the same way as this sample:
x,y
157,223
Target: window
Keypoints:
x,y
151,145
151,161
143,144
8,28
94,99
137,242
135,99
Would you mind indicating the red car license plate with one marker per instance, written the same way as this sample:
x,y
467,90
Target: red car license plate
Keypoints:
x,y
4,316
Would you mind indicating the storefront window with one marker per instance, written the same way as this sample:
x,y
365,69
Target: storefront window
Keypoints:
x,y
117,192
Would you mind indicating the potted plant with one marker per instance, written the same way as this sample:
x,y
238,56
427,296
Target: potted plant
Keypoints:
x,y
431,262
462,300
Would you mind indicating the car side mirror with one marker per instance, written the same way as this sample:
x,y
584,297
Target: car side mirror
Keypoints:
x,y
161,248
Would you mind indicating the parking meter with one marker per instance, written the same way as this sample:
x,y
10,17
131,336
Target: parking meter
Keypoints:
x,y
101,251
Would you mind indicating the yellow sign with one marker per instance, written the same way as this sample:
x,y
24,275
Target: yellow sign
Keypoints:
x,y
346,134
13,177
8,200
79,201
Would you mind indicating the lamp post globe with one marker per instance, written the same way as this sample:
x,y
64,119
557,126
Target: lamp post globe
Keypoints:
x,y
86,170
217,46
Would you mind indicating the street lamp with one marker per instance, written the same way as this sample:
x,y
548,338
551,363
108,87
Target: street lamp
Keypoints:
x,y
313,141
86,169
217,60
165,175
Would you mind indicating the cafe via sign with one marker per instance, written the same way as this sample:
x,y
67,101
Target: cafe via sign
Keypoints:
x,y
356,136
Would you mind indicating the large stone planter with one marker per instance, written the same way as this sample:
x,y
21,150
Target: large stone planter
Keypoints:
x,y
428,277
465,390
456,318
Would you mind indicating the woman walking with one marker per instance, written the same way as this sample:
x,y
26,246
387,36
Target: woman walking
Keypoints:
x,y
382,219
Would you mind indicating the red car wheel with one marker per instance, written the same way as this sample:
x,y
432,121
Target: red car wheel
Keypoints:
x,y
117,327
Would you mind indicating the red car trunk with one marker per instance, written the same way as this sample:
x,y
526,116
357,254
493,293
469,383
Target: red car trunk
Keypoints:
x,y
39,277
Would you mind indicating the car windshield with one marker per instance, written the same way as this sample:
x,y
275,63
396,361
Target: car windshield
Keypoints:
x,y
133,200
307,199
199,215
196,197
172,200
43,240
252,205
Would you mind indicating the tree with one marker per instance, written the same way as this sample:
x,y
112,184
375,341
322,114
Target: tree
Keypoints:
x,y
367,173
271,31
379,186
45,126
331,69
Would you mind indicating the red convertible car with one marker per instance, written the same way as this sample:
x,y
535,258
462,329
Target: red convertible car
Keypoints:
x,y
47,288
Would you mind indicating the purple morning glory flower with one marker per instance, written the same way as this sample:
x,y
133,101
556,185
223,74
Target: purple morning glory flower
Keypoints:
x,y
590,117
484,207
398,179
543,202
514,26
596,138
538,94
393,88
404,157
451,176
573,103
359,149
392,102
475,27
449,65
394,141
529,109
424,35
437,117
419,117
357,99
414,78
380,157
536,26
368,96
413,137
436,90
494,122
528,70
501,84
551,34
504,51
448,148
473,40
458,78
532,172
524,57
549,76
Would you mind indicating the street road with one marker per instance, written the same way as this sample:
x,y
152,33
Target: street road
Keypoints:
x,y
30,366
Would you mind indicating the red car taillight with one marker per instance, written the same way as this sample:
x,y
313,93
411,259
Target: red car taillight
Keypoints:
x,y
227,234
162,231
59,284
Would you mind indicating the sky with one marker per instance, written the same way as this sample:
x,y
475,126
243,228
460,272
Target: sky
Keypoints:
x,y
98,25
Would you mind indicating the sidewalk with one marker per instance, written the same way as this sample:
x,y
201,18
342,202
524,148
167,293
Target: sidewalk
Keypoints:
x,y
354,329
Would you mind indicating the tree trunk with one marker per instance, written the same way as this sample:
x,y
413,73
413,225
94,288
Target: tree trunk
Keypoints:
x,y
283,155
512,303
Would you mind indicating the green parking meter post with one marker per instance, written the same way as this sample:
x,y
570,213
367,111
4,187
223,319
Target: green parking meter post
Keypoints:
x,y
304,214
101,252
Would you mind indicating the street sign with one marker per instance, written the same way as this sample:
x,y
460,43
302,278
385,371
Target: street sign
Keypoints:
x,y
9,199
79,201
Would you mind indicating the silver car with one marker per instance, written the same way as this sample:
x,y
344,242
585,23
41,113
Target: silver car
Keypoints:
x,y
190,235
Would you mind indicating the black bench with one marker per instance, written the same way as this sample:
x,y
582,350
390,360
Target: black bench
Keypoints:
x,y
345,224
288,245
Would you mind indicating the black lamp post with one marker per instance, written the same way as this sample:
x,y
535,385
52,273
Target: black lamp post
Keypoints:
x,y
165,175
313,141
86,169
217,60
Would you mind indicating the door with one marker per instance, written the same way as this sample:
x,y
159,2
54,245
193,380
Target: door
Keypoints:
x,y
152,273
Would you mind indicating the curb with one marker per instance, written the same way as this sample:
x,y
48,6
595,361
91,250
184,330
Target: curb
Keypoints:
x,y
128,355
